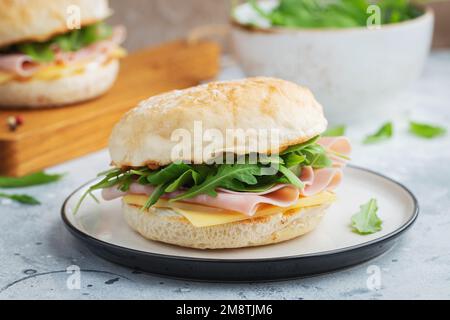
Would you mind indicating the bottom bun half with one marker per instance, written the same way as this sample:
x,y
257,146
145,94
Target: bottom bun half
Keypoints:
x,y
165,225
66,90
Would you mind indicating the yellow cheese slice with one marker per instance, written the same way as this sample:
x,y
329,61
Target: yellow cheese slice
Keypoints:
x,y
203,216
53,72
58,71
5,77
118,53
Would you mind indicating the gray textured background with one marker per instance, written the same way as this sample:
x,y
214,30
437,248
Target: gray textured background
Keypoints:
x,y
152,21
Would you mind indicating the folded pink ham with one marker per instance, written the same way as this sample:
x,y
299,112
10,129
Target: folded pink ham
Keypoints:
x,y
24,66
336,147
283,195
19,64
318,180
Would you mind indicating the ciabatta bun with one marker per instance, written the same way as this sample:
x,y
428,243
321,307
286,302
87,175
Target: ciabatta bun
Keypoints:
x,y
40,20
143,136
165,225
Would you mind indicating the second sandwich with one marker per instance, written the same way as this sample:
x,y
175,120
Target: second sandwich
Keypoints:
x,y
45,63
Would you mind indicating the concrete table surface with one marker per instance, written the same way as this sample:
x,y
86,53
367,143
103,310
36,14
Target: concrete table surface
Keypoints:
x,y
36,249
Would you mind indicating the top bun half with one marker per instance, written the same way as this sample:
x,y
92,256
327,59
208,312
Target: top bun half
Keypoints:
x,y
40,20
144,135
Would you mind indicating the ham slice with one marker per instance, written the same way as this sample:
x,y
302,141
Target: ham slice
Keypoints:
x,y
24,66
282,195
248,203
318,180
135,188
19,64
336,146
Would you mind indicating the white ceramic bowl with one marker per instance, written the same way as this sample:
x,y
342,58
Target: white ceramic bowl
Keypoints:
x,y
353,72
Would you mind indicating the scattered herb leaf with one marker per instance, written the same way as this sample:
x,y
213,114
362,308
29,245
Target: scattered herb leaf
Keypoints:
x,y
29,180
426,130
384,133
21,198
335,131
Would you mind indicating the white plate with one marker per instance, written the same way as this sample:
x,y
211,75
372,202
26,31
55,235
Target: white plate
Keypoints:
x,y
330,246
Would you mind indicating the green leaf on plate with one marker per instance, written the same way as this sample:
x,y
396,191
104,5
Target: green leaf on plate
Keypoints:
x,y
384,133
426,130
366,220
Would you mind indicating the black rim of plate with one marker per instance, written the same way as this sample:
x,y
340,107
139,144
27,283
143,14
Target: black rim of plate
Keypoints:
x,y
215,269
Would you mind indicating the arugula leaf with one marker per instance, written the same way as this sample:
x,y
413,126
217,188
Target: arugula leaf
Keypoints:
x,y
292,178
126,182
29,180
21,198
40,52
426,130
384,133
112,178
169,173
241,172
293,159
107,172
186,177
154,197
335,131
366,220
300,146
316,157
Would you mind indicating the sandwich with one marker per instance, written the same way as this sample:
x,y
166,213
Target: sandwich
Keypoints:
x,y
56,52
194,168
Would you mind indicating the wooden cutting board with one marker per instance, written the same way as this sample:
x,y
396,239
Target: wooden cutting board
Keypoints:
x,y
51,136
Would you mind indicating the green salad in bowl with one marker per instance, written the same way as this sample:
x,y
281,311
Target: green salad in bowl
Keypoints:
x,y
355,55
324,13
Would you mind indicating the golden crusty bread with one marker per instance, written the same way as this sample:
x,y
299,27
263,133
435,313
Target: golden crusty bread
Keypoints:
x,y
143,136
66,90
167,226
39,20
